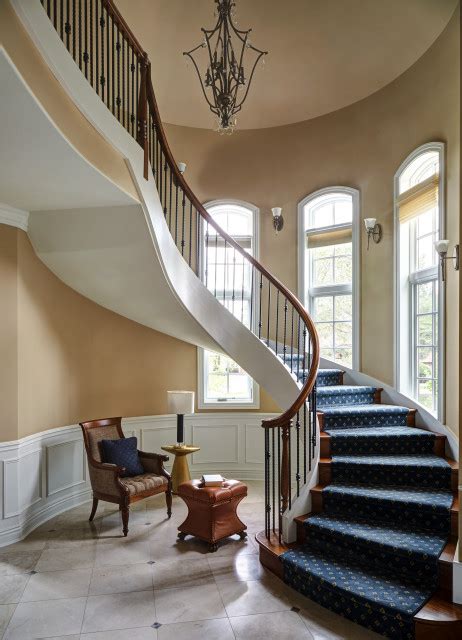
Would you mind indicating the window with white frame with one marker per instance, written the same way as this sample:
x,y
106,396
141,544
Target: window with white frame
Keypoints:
x,y
419,325
226,273
328,259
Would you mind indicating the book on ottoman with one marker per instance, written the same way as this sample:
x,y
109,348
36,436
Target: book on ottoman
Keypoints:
x,y
212,480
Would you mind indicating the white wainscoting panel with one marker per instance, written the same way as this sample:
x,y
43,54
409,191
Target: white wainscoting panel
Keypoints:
x,y
45,474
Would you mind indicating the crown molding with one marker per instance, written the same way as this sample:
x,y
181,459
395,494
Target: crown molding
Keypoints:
x,y
14,217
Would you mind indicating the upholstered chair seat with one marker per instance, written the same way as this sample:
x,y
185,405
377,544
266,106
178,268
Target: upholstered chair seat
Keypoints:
x,y
111,483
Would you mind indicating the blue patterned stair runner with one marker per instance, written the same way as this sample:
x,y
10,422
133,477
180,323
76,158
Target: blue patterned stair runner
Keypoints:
x,y
372,554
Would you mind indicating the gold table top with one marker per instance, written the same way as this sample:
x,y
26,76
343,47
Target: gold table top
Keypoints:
x,y
180,451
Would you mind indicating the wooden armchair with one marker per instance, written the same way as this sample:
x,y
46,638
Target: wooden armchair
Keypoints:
x,y
106,480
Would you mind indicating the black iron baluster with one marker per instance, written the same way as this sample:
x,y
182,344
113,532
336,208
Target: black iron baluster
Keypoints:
x,y
234,278
292,341
170,201
183,205
269,315
102,24
55,14
206,249
252,277
298,349
273,484
216,261
297,434
224,275
284,332
176,211
304,444
118,48
61,20
73,30
267,498
67,27
260,304
277,321
313,429
91,44
165,187
132,114
242,290
113,51
198,244
85,39
190,232
97,46
279,483
124,104
80,35
290,463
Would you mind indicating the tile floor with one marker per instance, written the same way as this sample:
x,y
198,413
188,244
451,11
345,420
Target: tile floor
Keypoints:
x,y
72,580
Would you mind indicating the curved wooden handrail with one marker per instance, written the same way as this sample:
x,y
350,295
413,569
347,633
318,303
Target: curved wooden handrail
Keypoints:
x,y
289,414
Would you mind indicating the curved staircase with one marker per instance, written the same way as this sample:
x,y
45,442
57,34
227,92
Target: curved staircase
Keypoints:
x,y
381,534
378,543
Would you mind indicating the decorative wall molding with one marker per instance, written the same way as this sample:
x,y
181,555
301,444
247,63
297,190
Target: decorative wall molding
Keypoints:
x,y
14,217
45,474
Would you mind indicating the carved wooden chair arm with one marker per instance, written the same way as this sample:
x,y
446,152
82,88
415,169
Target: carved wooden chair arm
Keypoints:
x,y
154,463
105,478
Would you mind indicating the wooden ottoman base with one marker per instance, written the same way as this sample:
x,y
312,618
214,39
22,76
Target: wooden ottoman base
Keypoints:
x,y
212,511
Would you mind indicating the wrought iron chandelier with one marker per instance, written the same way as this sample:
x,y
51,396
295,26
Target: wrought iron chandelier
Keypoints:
x,y
225,84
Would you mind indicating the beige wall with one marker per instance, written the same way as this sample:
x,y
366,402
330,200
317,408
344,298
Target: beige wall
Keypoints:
x,y
360,146
61,109
64,359
8,334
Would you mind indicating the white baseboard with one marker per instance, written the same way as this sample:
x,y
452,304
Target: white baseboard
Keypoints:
x,y
45,474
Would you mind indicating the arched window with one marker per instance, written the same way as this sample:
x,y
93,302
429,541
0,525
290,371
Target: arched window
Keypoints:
x,y
419,223
328,269
222,382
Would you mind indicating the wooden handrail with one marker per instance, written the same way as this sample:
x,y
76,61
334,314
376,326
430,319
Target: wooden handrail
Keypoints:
x,y
287,416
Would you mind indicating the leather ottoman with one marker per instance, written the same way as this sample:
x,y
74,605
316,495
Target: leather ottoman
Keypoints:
x,y
212,511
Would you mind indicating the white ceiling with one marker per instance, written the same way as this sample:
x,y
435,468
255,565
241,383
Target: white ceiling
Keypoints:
x,y
39,168
323,54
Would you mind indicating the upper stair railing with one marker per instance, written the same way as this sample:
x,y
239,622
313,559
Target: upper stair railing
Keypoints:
x,y
116,66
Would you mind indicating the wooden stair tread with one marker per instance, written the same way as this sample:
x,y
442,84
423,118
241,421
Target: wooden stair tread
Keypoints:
x,y
439,609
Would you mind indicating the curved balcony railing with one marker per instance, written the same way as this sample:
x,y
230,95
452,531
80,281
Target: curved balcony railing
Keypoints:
x,y
116,66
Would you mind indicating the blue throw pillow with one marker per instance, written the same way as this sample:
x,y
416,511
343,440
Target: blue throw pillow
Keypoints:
x,y
124,453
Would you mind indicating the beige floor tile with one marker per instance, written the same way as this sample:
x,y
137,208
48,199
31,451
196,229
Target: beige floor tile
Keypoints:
x,y
218,629
236,568
18,562
63,559
189,604
33,620
12,587
73,637
190,549
283,625
184,573
121,579
145,633
71,538
119,611
245,598
51,585
6,612
115,553
326,625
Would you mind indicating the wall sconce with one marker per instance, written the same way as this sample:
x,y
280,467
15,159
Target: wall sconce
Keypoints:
x,y
278,220
373,229
182,167
441,247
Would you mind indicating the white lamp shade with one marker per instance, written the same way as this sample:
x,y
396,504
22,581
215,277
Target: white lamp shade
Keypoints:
x,y
442,246
180,402
182,167
276,211
370,223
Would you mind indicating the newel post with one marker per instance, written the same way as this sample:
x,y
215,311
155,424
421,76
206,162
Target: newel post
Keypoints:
x,y
142,132
285,471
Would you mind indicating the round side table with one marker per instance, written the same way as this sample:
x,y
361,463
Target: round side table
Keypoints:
x,y
180,470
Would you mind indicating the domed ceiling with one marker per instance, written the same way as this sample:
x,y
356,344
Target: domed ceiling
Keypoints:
x,y
323,54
